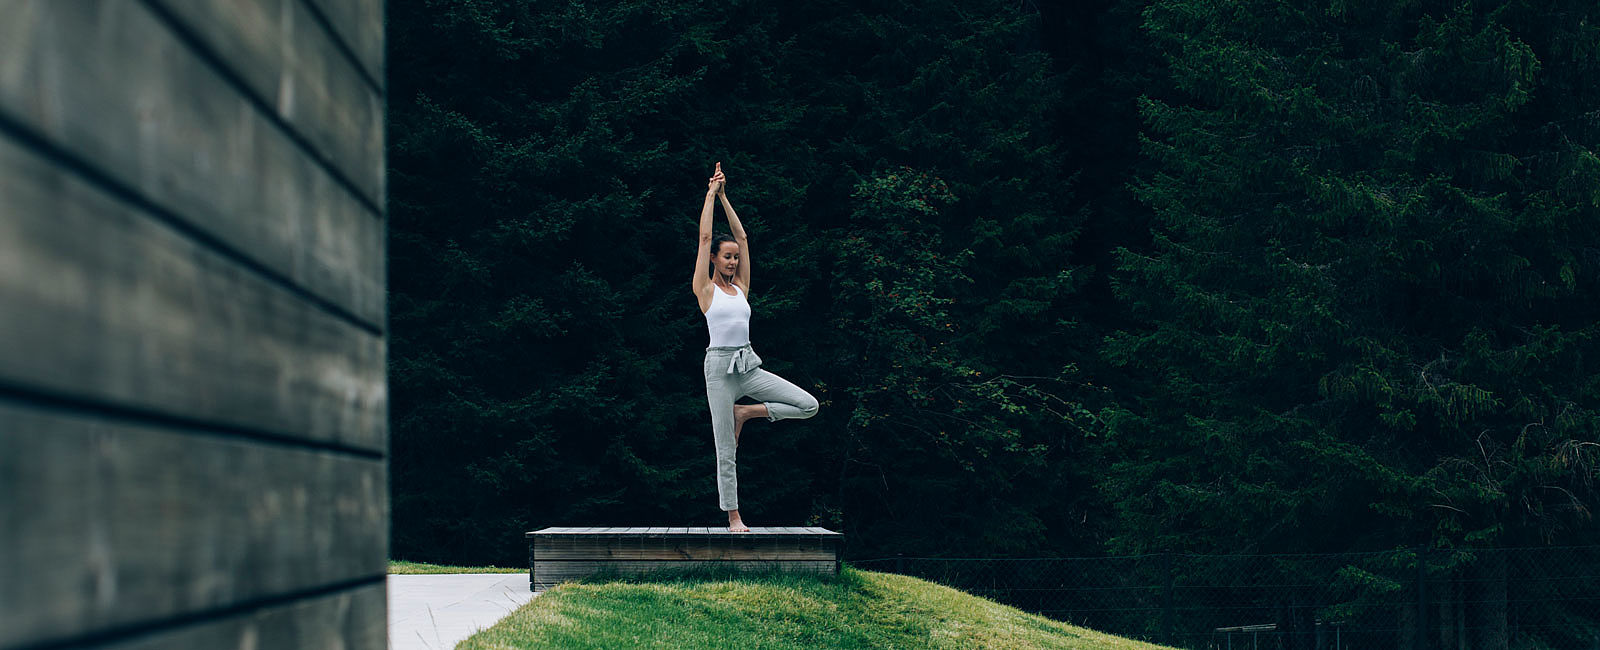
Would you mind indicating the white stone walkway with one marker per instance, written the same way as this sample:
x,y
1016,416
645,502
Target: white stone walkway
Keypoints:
x,y
437,612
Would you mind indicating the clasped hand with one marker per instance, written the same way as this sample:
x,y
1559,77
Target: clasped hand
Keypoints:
x,y
718,182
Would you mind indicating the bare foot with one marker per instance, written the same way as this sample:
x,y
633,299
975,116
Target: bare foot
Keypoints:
x,y
735,524
744,413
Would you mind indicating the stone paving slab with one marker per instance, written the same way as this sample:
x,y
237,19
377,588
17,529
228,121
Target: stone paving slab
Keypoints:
x,y
435,612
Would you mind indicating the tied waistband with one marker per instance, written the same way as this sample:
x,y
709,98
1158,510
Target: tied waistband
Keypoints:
x,y
742,360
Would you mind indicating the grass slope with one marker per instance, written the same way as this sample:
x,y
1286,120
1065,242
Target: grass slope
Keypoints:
x,y
858,609
404,568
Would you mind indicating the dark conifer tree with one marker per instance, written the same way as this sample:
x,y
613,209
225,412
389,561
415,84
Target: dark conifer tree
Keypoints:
x,y
1367,317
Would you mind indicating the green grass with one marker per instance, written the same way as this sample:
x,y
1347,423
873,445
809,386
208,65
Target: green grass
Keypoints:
x,y
404,568
857,609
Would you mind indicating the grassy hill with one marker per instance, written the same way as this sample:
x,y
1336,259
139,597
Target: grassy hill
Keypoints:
x,y
858,609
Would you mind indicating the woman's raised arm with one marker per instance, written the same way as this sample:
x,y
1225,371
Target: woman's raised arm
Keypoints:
x,y
738,233
702,261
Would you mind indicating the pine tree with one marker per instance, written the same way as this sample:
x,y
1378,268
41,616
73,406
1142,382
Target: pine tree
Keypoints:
x,y
1366,319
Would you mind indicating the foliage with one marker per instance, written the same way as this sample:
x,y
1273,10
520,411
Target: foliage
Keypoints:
x,y
1131,275
1366,317
547,163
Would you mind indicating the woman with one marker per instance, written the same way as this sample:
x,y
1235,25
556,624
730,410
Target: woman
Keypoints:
x,y
722,283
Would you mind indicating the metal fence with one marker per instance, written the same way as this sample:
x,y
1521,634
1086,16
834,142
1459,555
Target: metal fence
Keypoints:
x,y
1477,599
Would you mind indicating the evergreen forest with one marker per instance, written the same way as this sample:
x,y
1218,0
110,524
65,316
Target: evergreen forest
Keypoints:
x,y
1068,278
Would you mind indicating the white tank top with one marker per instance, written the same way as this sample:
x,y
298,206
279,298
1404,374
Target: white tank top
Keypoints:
x,y
728,318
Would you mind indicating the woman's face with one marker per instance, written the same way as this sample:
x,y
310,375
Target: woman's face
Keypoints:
x,y
726,260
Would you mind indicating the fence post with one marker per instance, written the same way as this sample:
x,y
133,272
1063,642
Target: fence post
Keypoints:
x,y
900,563
1423,631
1166,601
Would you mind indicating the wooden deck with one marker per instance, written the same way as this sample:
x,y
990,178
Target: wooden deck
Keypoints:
x,y
558,555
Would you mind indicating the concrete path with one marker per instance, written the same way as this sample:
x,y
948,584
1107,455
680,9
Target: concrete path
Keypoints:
x,y
437,612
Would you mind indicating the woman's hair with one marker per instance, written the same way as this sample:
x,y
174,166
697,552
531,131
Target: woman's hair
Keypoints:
x,y
716,248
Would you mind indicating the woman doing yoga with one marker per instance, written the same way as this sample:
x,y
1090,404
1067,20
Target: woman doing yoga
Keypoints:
x,y
732,369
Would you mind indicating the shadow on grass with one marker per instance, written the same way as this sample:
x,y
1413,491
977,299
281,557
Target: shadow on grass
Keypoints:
x,y
847,577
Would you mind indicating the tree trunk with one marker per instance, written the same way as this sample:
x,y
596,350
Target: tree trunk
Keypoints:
x,y
1487,612
1447,610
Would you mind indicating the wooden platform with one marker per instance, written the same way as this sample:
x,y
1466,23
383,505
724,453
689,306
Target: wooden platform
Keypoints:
x,y
557,555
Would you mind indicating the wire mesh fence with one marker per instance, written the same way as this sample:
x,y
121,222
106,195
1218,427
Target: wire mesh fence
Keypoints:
x,y
1477,599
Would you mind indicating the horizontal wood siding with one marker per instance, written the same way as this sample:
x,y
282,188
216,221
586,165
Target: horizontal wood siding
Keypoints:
x,y
106,304
110,87
352,620
146,523
193,398
292,64
359,23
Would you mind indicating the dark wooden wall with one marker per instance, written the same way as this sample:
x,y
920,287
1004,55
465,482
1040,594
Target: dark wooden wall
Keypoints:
x,y
193,416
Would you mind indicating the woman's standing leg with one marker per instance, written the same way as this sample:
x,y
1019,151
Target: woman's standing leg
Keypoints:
x,y
721,389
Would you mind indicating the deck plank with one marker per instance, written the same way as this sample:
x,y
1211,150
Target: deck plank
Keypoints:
x,y
667,549
657,531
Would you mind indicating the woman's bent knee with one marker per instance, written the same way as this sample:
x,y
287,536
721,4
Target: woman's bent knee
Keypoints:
x,y
808,406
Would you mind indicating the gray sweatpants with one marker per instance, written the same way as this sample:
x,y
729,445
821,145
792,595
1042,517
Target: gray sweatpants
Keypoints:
x,y
732,373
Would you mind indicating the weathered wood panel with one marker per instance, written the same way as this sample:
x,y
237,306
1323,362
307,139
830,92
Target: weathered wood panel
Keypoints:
x,y
359,23
351,620
649,532
107,524
559,554
549,574
108,83
292,64
193,415
682,549
103,303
